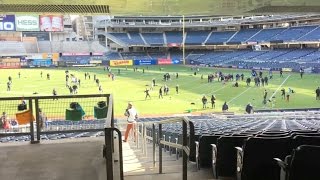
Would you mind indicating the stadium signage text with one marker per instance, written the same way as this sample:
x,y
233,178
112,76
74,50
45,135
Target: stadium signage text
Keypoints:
x,y
145,62
121,62
7,23
51,23
27,23
164,61
75,54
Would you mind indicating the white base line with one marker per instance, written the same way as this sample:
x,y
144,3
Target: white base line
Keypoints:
x,y
279,88
239,95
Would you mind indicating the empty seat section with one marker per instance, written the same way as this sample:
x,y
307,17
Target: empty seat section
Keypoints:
x,y
153,38
135,38
11,47
219,37
243,35
196,37
266,35
174,37
293,33
313,35
122,36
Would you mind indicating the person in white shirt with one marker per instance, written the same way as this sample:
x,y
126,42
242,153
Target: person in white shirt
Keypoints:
x,y
132,115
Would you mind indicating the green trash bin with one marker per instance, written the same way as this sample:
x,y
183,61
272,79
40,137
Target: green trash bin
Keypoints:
x,y
73,115
100,113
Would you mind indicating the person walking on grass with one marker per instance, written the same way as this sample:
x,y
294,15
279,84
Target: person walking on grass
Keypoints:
x,y
147,94
318,93
160,93
132,115
204,102
225,107
213,101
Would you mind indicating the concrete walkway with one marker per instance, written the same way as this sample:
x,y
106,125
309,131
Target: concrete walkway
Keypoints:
x,y
81,159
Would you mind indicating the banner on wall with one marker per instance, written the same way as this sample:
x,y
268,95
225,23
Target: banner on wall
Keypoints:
x,y
53,56
52,23
27,22
286,69
121,63
7,23
145,62
95,62
164,61
97,54
176,61
75,54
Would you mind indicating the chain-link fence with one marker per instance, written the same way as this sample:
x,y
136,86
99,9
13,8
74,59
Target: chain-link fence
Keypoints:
x,y
34,118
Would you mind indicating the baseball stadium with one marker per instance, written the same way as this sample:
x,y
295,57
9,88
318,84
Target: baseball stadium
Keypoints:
x,y
153,89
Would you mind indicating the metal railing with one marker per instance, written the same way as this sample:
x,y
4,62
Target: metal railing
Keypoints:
x,y
187,147
108,152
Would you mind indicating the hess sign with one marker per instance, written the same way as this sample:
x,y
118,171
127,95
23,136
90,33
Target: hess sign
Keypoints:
x,y
7,23
27,23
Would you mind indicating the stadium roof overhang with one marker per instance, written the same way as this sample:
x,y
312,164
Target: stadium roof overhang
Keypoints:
x,y
160,7
55,6
69,9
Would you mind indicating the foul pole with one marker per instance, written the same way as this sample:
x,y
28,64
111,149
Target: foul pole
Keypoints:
x,y
183,48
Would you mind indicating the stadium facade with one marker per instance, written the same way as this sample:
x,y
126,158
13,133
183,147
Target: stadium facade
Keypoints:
x,y
288,41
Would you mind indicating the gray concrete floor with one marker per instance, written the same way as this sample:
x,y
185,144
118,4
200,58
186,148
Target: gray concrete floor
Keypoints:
x,y
81,159
76,159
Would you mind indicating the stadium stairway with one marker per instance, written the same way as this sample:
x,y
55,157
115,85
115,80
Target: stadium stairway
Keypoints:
x,y
138,166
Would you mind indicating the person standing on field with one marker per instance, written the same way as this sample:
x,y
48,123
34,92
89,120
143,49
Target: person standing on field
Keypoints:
x,y
318,93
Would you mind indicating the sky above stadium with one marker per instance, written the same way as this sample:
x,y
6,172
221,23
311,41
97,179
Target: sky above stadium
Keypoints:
x,y
185,7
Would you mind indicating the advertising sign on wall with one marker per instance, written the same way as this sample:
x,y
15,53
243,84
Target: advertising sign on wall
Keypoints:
x,y
176,61
145,62
164,61
51,23
7,23
97,54
27,22
75,54
53,56
121,63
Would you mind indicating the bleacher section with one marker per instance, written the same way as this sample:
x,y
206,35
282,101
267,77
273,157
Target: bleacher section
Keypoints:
x,y
174,37
44,46
293,33
30,47
259,139
75,47
11,47
196,37
95,46
300,33
153,38
243,36
266,34
277,58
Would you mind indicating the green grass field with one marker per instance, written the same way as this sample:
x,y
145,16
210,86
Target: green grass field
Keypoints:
x,y
130,86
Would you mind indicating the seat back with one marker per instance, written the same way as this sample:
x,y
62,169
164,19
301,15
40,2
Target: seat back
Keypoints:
x,y
205,149
305,163
227,154
305,140
73,115
100,112
258,157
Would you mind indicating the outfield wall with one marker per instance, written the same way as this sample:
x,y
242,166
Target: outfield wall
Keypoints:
x,y
65,60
